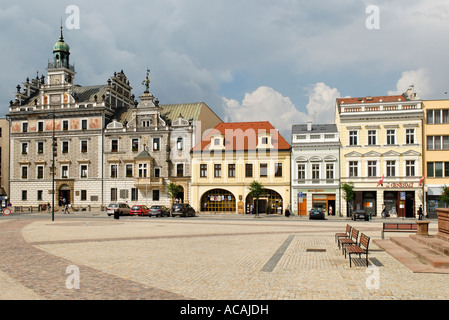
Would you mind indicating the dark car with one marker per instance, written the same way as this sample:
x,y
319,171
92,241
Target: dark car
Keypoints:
x,y
360,214
120,208
159,211
316,213
182,210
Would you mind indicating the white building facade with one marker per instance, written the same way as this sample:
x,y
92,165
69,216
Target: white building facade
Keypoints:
x,y
315,168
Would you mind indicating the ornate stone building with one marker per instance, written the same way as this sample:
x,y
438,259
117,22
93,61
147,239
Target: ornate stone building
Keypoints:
x,y
148,147
108,146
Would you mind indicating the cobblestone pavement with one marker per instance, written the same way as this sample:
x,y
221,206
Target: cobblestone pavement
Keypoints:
x,y
207,258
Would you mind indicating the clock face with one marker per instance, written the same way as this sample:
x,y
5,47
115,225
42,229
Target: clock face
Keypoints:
x,y
55,79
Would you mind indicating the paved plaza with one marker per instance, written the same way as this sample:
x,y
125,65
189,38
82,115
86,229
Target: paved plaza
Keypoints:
x,y
208,257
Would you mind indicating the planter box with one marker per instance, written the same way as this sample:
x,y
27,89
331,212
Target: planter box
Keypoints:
x,y
443,224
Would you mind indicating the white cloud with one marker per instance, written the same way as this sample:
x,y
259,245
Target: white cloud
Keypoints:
x,y
265,104
418,78
322,103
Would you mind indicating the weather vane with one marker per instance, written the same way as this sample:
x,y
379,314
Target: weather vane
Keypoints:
x,y
146,82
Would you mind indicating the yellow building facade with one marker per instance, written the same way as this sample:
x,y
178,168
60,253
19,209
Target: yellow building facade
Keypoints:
x,y
381,153
436,152
230,158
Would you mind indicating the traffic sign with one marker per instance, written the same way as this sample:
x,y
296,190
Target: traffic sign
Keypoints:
x,y
6,211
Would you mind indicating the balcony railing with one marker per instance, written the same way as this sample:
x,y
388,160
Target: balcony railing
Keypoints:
x,y
143,183
51,65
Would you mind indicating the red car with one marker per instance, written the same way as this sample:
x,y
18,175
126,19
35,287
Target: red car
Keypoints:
x,y
140,210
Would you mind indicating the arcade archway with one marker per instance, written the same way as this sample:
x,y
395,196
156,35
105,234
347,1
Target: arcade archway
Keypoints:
x,y
218,200
270,202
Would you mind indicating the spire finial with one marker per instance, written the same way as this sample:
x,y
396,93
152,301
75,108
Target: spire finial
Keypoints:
x,y
61,38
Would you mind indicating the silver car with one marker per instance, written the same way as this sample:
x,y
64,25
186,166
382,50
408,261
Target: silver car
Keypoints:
x,y
121,208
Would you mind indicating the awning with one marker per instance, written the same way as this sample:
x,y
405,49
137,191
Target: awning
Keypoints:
x,y
435,191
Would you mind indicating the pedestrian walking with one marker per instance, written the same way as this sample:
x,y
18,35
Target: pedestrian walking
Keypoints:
x,y
420,212
287,211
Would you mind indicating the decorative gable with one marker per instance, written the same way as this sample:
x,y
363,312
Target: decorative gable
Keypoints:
x,y
353,155
114,125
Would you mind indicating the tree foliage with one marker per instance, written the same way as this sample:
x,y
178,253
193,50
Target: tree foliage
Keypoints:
x,y
348,192
256,190
173,190
445,195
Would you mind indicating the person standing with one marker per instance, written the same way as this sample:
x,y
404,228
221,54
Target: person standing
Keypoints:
x,y
383,211
420,213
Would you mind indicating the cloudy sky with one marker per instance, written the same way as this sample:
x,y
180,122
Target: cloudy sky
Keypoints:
x,y
279,60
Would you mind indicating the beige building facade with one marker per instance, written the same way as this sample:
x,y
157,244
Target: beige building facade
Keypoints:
x,y
436,153
230,158
381,152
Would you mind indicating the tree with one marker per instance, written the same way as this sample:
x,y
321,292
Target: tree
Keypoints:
x,y
173,190
445,195
256,190
348,193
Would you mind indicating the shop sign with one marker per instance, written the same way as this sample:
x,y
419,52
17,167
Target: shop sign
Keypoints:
x,y
400,185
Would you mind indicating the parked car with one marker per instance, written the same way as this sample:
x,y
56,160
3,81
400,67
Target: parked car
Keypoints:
x,y
140,210
182,210
316,213
121,208
360,214
159,211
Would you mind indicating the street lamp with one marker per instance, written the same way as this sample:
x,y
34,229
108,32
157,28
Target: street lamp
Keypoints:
x,y
53,146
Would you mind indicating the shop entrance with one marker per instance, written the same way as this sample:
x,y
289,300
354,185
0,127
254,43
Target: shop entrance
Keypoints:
x,y
331,207
324,201
64,193
410,205
302,205
400,203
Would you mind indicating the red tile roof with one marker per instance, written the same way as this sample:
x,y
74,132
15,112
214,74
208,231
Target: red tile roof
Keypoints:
x,y
365,100
242,136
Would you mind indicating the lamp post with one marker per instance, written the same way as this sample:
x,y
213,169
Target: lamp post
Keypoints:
x,y
53,171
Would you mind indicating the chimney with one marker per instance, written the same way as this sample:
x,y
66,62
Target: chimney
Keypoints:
x,y
309,125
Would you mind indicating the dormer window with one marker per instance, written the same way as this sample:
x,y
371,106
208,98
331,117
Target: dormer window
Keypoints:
x,y
217,142
264,140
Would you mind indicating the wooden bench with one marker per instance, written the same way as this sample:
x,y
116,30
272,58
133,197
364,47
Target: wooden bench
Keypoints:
x,y
351,240
361,248
340,235
399,227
